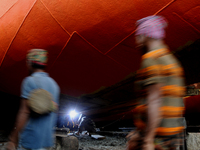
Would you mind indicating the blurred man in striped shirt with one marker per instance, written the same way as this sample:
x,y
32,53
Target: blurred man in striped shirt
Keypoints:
x,y
160,88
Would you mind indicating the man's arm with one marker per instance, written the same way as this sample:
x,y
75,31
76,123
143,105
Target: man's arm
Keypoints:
x,y
22,118
153,105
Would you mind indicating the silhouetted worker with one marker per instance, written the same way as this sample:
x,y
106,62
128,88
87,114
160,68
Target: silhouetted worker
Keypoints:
x,y
160,88
86,124
36,132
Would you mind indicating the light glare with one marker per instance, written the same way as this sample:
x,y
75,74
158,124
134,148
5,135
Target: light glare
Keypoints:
x,y
73,113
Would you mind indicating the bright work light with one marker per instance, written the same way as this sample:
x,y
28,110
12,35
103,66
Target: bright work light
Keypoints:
x,y
73,114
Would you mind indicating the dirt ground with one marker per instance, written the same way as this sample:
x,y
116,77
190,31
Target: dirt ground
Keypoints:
x,y
109,143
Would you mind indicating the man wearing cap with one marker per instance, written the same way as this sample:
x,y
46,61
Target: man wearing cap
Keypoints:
x,y
35,132
160,88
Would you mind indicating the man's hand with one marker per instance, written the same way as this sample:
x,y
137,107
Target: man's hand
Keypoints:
x,y
10,146
134,141
21,120
132,135
148,146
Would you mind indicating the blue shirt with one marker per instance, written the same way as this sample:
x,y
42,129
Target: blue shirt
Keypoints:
x,y
38,132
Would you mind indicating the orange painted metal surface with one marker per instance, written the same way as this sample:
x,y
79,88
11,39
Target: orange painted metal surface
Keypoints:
x,y
90,43
192,104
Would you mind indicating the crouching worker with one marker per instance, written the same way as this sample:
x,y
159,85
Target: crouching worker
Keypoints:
x,y
40,95
86,124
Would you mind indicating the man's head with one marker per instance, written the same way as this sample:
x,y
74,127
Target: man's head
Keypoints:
x,y
36,59
151,27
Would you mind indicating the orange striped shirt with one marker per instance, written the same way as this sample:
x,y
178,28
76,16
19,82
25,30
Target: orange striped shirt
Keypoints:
x,y
160,66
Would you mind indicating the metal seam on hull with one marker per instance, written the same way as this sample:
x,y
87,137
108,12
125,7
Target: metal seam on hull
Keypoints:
x,y
119,63
55,18
135,30
186,22
90,45
103,53
164,7
16,35
62,50
9,9
77,32
120,42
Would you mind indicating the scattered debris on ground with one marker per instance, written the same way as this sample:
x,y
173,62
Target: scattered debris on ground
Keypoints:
x,y
109,143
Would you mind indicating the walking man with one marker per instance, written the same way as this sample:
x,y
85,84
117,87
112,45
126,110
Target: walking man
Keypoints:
x,y
35,132
160,88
